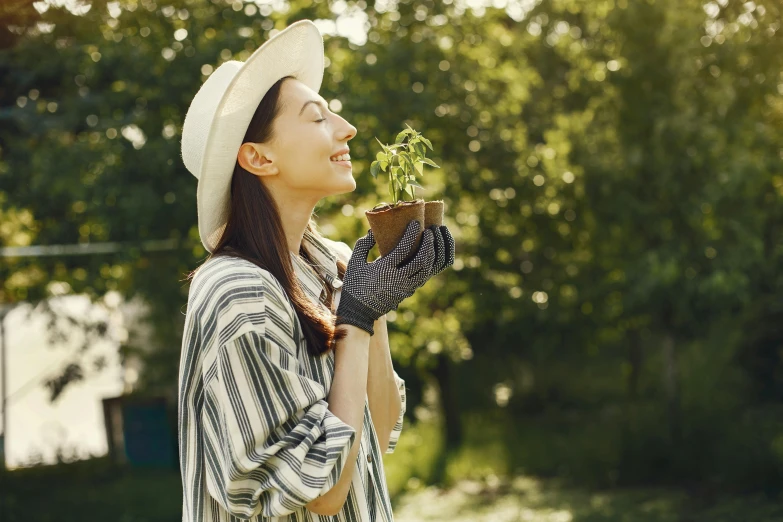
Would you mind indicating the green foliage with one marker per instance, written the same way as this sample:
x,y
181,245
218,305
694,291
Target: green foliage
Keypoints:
x,y
403,161
415,458
611,172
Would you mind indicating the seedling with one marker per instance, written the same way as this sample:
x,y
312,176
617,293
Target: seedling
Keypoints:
x,y
403,162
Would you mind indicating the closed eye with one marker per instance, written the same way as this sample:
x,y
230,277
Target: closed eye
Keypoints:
x,y
319,121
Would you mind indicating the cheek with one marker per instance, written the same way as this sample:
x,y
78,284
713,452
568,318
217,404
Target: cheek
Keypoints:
x,y
311,168
313,147
306,159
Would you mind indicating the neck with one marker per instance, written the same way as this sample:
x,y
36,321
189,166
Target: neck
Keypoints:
x,y
295,213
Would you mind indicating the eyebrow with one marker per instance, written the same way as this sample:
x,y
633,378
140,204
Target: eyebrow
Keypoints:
x,y
317,102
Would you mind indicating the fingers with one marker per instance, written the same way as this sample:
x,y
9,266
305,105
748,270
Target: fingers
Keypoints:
x,y
405,244
440,249
449,239
363,246
425,256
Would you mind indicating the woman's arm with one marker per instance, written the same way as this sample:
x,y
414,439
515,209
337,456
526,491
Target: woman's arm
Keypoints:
x,y
382,392
346,401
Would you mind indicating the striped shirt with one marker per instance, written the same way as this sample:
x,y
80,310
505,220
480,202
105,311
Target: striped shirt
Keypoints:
x,y
256,438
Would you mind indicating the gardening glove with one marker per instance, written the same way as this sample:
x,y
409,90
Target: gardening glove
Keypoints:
x,y
372,289
444,249
444,252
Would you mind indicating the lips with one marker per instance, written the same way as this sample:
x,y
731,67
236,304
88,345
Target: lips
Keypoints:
x,y
344,163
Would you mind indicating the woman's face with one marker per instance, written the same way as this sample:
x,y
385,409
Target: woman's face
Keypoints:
x,y
296,162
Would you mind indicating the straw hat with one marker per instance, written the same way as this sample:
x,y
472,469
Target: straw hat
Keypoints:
x,y
220,113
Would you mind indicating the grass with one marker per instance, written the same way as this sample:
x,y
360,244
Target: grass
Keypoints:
x,y
485,480
91,490
532,500
488,479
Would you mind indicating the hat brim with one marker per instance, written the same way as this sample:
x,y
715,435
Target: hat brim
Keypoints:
x,y
297,50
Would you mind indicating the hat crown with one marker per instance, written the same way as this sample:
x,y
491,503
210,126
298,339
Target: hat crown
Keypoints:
x,y
201,113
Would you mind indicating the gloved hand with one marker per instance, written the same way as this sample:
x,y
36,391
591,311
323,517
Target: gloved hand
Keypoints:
x,y
372,289
444,252
444,249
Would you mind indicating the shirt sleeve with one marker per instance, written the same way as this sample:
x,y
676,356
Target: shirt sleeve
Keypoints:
x,y
271,443
341,250
395,434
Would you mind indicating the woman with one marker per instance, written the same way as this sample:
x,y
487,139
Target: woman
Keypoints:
x,y
283,416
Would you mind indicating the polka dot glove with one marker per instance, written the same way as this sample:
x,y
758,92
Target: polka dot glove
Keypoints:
x,y
372,289
444,252
444,249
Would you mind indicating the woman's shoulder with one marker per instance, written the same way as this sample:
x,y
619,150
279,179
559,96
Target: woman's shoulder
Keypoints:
x,y
230,296
224,279
228,268
340,249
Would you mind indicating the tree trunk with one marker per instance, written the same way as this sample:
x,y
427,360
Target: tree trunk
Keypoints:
x,y
451,412
671,383
635,360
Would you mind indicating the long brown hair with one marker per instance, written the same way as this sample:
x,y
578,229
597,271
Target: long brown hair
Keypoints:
x,y
254,231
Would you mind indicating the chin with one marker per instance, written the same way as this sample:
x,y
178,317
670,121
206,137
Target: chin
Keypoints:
x,y
344,188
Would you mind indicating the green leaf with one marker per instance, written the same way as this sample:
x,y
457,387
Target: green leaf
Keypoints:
x,y
406,188
412,171
409,167
425,140
401,136
430,162
374,169
401,157
421,151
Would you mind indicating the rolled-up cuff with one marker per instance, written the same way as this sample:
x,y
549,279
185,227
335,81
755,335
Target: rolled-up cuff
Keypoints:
x,y
397,430
339,440
300,467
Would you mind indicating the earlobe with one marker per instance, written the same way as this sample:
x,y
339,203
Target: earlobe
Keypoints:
x,y
267,169
264,170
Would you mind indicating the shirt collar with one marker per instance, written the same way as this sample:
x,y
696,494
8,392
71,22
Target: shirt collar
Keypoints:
x,y
326,266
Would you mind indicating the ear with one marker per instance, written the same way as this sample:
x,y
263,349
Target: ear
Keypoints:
x,y
257,159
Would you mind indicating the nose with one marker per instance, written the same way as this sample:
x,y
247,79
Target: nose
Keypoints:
x,y
349,132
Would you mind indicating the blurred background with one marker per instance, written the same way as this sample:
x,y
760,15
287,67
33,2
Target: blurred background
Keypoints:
x,y
608,345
